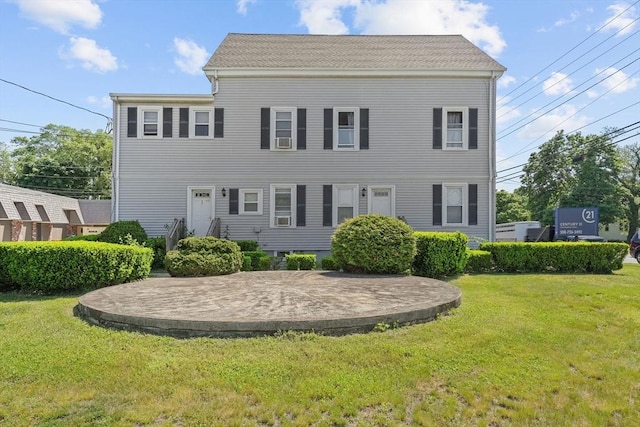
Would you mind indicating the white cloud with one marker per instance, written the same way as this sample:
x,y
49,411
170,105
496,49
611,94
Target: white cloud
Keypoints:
x,y
565,118
61,15
324,16
626,18
617,81
591,94
561,22
404,17
506,81
242,6
191,57
557,84
103,102
91,56
504,112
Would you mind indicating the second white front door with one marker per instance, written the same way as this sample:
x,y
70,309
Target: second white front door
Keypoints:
x,y
381,201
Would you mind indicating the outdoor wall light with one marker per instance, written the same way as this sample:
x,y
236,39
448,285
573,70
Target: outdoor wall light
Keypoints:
x,y
364,192
224,192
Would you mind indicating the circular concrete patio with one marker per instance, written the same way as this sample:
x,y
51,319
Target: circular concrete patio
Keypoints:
x,y
265,302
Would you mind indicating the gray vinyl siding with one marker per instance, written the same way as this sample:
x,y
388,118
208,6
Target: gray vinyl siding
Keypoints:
x,y
154,173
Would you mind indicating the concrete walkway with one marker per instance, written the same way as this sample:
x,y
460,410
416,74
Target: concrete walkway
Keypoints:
x,y
262,303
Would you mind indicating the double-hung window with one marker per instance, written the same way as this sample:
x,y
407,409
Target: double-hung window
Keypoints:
x,y
201,125
150,122
283,128
456,128
250,202
455,207
283,203
346,127
346,202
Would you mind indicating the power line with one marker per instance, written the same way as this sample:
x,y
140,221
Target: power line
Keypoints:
x,y
21,123
109,121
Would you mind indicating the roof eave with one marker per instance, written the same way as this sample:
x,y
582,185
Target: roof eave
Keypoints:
x,y
165,98
316,72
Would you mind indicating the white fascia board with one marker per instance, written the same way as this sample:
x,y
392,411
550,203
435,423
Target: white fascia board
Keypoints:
x,y
161,98
292,72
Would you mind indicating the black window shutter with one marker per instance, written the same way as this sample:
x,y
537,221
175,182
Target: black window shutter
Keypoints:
x,y
328,128
183,132
302,129
301,205
233,201
437,204
265,131
132,122
218,123
327,205
473,128
437,128
473,204
364,128
167,122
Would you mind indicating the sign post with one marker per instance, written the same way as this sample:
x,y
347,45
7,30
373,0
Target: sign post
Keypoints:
x,y
573,222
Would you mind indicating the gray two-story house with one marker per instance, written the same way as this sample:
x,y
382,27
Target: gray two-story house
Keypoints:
x,y
300,132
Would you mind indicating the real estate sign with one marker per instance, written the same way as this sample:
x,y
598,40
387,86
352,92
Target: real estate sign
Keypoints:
x,y
572,222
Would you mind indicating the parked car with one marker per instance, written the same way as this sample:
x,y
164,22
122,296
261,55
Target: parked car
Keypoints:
x,y
634,246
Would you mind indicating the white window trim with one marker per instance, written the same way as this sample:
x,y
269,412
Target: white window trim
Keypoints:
x,y
241,201
465,204
141,111
334,208
272,204
465,127
356,128
192,122
294,128
391,188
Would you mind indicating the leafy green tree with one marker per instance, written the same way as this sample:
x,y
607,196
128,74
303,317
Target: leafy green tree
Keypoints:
x,y
573,171
511,207
65,161
630,180
5,164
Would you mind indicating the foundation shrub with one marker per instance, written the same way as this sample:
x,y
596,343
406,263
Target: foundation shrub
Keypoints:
x,y
478,261
87,238
247,245
6,283
264,263
204,256
300,261
440,254
49,267
559,257
373,244
246,263
255,258
117,231
159,247
328,263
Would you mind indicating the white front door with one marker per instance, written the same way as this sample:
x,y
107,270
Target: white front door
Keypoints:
x,y
381,201
201,210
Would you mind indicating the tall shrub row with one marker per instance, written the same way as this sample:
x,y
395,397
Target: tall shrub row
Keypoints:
x,y
440,254
48,267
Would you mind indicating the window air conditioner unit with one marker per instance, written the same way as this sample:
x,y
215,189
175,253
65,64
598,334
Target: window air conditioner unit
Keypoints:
x,y
283,143
283,221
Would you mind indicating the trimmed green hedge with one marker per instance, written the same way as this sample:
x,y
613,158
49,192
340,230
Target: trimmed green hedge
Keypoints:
x,y
246,263
204,256
328,263
5,280
300,261
87,238
264,263
116,232
255,258
247,245
439,254
373,244
159,247
478,261
559,257
49,267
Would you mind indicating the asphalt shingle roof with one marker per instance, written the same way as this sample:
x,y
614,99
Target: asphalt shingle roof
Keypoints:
x,y
417,52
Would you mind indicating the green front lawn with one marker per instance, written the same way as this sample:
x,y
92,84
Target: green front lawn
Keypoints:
x,y
557,350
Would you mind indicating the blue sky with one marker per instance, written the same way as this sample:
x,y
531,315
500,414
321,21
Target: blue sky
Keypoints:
x,y
571,63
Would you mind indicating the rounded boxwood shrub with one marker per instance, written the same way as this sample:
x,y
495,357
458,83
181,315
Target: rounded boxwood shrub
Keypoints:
x,y
117,231
373,244
49,267
440,253
204,256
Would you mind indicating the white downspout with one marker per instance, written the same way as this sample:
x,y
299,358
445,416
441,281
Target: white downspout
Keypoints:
x,y
215,83
115,191
492,157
